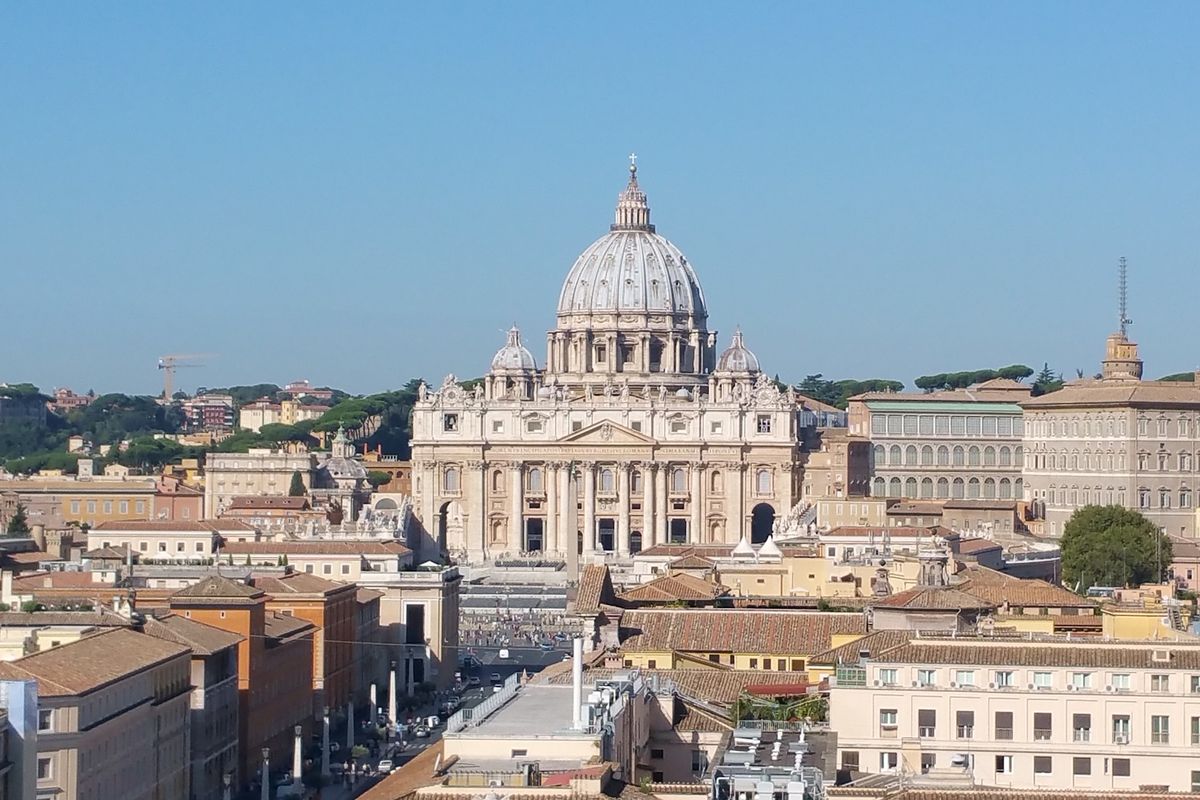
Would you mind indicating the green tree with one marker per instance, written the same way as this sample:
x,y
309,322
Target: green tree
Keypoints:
x,y
296,489
1047,381
378,478
1113,546
18,524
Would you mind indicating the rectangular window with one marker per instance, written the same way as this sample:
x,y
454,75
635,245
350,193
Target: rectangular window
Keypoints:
x,y
699,762
1042,765
716,427
199,547
926,723
1196,780
926,424
1043,728
1042,680
878,423
1120,728
91,506
345,569
964,724
1004,765
964,677
1120,681
179,547
45,719
1004,725
1004,678
941,426
958,426
1081,727
910,425
327,569
766,663
45,771
1006,428
1195,730
108,506
893,426
1160,683
764,423
1120,767
926,677
1081,680
656,754
497,426
989,426
888,762
928,762
887,677
850,760
123,506
450,422
1194,683
973,426
1081,765
74,506
1160,729
887,719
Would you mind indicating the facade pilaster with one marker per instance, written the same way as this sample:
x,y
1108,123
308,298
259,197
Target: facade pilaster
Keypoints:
x,y
622,543
516,512
737,506
648,477
476,544
550,543
696,533
589,507
660,504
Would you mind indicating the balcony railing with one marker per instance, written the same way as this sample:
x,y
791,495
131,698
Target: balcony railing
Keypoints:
x,y
965,731
1005,734
927,732
1042,734
850,676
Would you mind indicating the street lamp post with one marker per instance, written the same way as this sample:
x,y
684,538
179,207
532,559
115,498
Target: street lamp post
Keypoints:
x,y
325,743
298,756
392,721
227,781
266,774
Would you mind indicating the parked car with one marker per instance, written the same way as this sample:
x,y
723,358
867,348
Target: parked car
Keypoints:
x,y
421,732
473,680
496,677
385,766
546,646
496,687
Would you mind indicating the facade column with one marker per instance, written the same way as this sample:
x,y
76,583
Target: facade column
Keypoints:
x,y
787,497
476,536
611,364
550,542
695,535
516,512
648,476
644,354
589,507
661,528
429,488
737,503
568,523
622,543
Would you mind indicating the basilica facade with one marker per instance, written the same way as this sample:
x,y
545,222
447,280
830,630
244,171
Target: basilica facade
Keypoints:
x,y
637,431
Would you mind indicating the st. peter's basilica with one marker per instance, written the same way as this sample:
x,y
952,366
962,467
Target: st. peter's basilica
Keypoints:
x,y
634,433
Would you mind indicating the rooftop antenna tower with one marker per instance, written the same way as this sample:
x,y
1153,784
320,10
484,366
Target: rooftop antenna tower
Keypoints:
x,y
1123,289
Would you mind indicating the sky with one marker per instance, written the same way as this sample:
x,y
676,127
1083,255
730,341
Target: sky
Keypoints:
x,y
360,194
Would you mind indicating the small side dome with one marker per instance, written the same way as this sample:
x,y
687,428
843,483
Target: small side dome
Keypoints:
x,y
545,392
683,394
737,357
514,356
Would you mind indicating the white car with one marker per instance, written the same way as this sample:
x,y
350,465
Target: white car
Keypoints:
x,y
385,766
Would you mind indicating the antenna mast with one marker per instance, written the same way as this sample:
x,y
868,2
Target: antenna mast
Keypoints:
x,y
1124,319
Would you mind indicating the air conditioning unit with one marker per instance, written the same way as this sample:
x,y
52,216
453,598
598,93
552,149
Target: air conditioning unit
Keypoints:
x,y
877,683
1030,686
1070,687
914,684
991,686
953,685
1120,739
1108,689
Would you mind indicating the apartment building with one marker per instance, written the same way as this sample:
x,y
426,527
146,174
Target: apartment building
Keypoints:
x,y
1052,713
960,444
112,717
345,560
257,472
177,541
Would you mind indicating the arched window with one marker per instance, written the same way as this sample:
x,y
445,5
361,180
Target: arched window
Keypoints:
x,y
762,481
927,456
534,480
1074,462
989,456
927,488
959,456
943,488
678,480
1185,462
910,487
880,455
878,488
989,489
716,483
1005,489
894,487
1143,498
943,456
958,489
973,489
910,455
635,481
973,456
498,482
451,479
894,456
606,480
1005,457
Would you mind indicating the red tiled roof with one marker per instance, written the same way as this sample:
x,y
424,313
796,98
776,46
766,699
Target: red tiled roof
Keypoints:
x,y
314,548
1024,593
91,662
937,598
977,545
257,502
892,531
174,526
671,588
595,588
736,630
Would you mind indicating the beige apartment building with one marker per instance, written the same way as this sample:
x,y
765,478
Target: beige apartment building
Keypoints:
x,y
1017,713
113,717
168,541
961,444
1115,440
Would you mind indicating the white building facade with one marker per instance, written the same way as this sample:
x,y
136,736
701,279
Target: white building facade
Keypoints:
x,y
636,432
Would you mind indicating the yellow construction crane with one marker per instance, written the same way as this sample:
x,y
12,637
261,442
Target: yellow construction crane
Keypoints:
x,y
168,365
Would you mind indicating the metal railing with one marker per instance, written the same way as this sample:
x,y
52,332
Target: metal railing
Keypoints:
x,y
466,717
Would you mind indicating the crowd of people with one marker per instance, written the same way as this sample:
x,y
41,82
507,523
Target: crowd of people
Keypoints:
x,y
505,628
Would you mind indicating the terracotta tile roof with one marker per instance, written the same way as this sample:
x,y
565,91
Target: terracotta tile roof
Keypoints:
x,y
928,509
91,662
1046,651
893,531
218,587
282,626
680,550
364,596
711,685
696,720
977,545
988,793
33,557
670,588
412,775
314,548
56,580
595,588
100,618
295,583
967,505
174,526
876,643
692,561
1078,623
256,503
936,598
1025,593
735,630
111,553
203,640
1158,394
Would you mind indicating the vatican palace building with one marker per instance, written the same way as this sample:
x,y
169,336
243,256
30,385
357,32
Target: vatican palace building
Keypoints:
x,y
635,431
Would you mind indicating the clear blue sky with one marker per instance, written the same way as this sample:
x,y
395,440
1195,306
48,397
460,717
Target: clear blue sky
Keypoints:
x,y
357,194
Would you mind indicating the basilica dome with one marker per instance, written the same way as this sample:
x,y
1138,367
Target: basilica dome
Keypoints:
x,y
632,269
514,355
737,357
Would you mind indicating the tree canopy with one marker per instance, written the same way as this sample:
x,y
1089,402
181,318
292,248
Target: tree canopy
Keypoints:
x,y
18,523
961,380
837,393
1047,381
296,487
1182,377
1113,546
